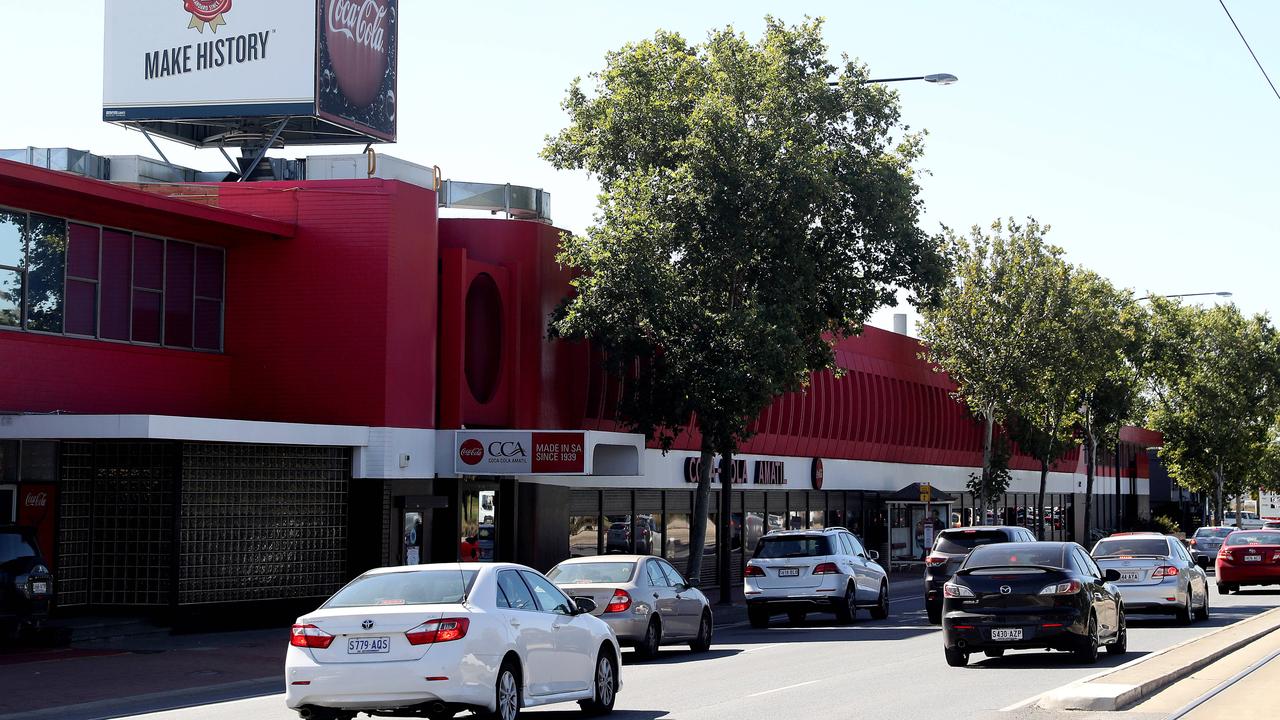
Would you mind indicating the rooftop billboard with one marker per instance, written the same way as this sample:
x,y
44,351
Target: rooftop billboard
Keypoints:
x,y
210,72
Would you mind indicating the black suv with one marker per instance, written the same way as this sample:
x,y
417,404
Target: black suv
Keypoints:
x,y
26,586
950,549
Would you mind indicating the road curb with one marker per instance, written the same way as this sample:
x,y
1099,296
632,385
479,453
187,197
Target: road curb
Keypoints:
x,y
1088,694
118,707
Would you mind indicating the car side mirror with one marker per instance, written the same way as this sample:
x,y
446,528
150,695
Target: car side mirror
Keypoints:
x,y
681,587
1111,575
1202,561
585,605
873,554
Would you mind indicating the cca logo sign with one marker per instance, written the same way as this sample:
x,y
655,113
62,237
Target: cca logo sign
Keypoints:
x,y
471,451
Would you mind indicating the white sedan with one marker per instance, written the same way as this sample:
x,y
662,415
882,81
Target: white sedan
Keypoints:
x,y
439,639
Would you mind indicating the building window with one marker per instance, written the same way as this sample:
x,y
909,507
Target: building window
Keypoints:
x,y
71,278
584,535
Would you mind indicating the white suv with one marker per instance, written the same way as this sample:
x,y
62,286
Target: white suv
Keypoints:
x,y
798,571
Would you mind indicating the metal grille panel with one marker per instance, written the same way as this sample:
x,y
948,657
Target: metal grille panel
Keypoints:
x,y
263,522
132,523
75,498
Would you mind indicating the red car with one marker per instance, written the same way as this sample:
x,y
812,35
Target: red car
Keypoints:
x,y
1249,557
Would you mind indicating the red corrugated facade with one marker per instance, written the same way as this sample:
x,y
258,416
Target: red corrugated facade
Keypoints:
x,y
350,303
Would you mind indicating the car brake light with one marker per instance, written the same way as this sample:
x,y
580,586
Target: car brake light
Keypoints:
x,y
1224,554
935,560
1191,542
1069,587
620,602
826,569
1165,571
953,590
753,571
309,636
438,631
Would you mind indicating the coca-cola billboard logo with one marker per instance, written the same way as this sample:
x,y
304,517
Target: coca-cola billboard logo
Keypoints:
x,y
471,451
36,500
207,12
356,31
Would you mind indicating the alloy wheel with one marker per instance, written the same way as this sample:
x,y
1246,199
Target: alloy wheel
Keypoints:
x,y
508,696
604,681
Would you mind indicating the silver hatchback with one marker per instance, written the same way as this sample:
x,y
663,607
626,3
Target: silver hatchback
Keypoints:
x,y
1207,541
1157,574
644,599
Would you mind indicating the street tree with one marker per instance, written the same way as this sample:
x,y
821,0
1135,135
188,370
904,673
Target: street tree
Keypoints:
x,y
750,216
991,323
1214,379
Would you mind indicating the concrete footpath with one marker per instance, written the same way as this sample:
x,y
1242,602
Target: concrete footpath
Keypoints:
x,y
1236,686
1134,683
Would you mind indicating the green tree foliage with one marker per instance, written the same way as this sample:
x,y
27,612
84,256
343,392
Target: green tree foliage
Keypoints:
x,y
994,323
989,489
750,215
1215,390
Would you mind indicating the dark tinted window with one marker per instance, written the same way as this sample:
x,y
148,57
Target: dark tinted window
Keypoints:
x,y
1012,554
1112,547
1254,538
515,591
794,546
856,546
962,541
1217,532
420,587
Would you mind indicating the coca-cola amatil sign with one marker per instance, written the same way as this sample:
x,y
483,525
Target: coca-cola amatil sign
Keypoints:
x,y
356,78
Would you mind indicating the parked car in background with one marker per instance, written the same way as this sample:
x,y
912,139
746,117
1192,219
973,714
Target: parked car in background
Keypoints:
x,y
1044,595
1248,520
1206,541
1249,557
1271,525
26,585
434,640
1157,574
950,549
802,571
644,599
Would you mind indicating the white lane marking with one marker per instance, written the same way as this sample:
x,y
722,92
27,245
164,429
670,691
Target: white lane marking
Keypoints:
x,y
762,647
789,687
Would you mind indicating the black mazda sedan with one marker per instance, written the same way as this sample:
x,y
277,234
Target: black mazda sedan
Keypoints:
x,y
1042,595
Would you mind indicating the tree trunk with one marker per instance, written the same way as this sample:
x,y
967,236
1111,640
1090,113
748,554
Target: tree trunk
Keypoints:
x,y
1119,497
1090,465
698,529
724,534
1039,509
986,469
1217,502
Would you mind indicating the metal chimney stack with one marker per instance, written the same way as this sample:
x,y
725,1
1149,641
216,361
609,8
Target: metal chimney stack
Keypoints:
x,y
900,323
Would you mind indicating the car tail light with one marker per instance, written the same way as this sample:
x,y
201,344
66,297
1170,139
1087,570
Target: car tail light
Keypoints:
x,y
826,569
620,602
309,636
1224,554
1192,542
753,571
1165,571
438,631
935,560
1069,587
952,590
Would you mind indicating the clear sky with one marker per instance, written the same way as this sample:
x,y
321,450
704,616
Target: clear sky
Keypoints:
x,y
1140,130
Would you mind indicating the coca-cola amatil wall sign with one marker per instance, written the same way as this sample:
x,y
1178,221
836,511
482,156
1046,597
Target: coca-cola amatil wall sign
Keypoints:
x,y
356,76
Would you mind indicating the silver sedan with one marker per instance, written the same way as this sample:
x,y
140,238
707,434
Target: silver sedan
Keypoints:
x,y
644,599
1157,574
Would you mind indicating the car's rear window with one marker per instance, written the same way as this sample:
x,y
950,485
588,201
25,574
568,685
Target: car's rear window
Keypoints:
x,y
794,546
1013,554
590,573
1214,532
1112,547
421,587
1254,538
962,541
14,546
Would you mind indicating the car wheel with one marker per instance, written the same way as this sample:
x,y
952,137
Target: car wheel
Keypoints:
x,y
1224,588
1203,612
759,617
652,639
605,682
507,693
847,608
956,657
881,610
1183,613
702,643
796,616
994,653
935,614
1121,645
1088,652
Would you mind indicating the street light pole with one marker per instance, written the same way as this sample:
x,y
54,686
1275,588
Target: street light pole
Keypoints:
x,y
1221,293
934,79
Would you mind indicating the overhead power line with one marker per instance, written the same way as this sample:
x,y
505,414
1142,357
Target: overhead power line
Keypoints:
x,y
1250,49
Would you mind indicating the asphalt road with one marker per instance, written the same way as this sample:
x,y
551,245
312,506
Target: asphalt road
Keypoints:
x,y
885,669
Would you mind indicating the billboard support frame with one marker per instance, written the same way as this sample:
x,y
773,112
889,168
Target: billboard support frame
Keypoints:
x,y
262,151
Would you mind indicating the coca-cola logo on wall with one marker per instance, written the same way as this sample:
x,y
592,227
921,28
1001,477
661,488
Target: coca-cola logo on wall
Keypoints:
x,y
356,82
36,500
